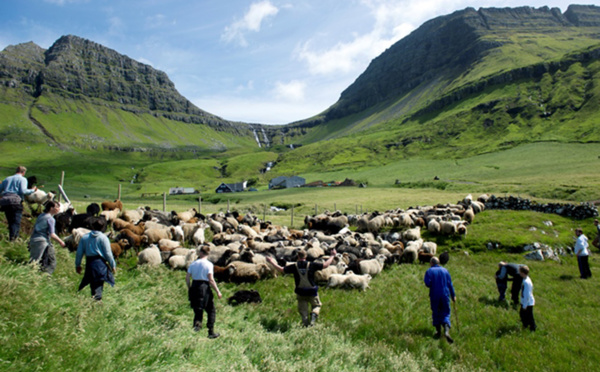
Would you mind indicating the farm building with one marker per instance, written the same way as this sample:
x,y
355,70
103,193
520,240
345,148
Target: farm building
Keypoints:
x,y
231,187
283,182
182,191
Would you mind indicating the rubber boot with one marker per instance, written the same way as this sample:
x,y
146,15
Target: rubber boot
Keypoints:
x,y
447,333
313,319
212,334
438,334
305,321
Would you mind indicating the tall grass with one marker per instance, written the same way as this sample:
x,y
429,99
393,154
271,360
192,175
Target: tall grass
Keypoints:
x,y
144,323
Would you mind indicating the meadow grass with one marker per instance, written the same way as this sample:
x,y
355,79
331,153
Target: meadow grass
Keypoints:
x,y
144,323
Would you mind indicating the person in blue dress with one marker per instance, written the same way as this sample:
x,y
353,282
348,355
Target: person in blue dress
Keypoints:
x,y
441,290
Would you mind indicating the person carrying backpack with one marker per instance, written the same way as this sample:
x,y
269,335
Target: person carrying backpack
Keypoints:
x,y
307,292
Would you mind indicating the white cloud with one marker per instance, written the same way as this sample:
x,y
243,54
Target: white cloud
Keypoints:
x,y
145,61
116,26
257,110
293,91
252,21
63,2
392,20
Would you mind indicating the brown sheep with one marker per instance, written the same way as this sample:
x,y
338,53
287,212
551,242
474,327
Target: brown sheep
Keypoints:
x,y
119,247
135,240
109,206
424,257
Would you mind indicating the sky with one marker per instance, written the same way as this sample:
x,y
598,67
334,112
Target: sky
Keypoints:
x,y
261,61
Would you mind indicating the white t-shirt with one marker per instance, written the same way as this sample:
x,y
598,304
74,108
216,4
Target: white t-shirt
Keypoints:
x,y
527,298
200,269
581,246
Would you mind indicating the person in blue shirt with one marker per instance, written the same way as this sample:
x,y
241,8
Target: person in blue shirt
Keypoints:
x,y
12,191
99,262
441,290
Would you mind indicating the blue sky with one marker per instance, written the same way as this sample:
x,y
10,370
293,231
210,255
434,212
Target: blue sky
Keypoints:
x,y
264,61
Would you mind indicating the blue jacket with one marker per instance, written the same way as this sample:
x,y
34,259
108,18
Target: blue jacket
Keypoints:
x,y
16,184
94,244
441,291
439,282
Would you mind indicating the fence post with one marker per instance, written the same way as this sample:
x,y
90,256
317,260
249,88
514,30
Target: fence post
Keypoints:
x,y
199,204
62,181
227,205
164,201
292,223
265,213
119,193
334,207
316,210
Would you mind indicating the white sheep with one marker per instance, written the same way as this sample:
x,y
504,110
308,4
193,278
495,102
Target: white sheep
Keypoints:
x,y
323,275
248,231
216,226
358,281
133,215
429,247
150,256
183,262
111,215
373,266
198,238
187,215
469,215
412,234
338,280
38,197
167,245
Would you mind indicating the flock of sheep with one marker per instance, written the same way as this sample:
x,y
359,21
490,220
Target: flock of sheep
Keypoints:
x,y
241,243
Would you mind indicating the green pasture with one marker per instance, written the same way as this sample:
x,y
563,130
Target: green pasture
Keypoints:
x,y
144,323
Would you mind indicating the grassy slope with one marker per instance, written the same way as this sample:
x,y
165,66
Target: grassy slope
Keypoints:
x,y
145,323
499,118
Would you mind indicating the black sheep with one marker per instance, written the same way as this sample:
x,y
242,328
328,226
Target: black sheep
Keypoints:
x,y
244,296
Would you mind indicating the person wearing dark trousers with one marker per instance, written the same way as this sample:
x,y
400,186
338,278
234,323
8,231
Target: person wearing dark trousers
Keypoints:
x,y
583,253
508,272
527,300
200,279
12,191
100,264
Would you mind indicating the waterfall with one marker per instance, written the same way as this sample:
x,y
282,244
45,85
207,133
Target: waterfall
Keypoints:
x,y
265,137
256,137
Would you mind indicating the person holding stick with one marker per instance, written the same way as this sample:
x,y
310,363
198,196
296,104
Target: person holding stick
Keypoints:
x,y
441,290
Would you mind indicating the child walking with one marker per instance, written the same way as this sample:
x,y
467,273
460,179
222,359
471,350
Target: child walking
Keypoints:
x,y
527,299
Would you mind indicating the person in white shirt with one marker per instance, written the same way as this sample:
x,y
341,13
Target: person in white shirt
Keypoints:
x,y
582,252
199,280
527,300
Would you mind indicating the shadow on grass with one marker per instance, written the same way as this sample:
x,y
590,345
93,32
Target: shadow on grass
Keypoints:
x,y
493,302
275,325
426,332
507,330
566,277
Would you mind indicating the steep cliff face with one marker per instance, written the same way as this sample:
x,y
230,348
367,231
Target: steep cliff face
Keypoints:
x,y
20,66
446,47
77,68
